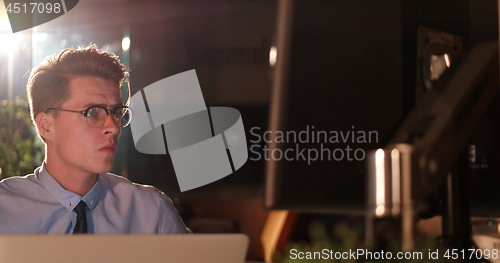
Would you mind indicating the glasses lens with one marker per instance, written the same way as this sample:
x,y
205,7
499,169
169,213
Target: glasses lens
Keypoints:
x,y
96,117
122,117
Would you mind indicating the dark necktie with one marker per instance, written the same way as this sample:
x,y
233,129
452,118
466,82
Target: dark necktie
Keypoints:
x,y
81,218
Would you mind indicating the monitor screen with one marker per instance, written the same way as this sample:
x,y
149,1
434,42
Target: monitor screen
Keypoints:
x,y
341,85
336,95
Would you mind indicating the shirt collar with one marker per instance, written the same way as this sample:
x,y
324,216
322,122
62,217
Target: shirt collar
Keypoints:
x,y
92,197
68,199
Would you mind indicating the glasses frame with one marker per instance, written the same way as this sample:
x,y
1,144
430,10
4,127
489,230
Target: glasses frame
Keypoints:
x,y
86,111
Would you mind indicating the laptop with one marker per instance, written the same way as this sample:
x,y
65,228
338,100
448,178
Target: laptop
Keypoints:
x,y
197,248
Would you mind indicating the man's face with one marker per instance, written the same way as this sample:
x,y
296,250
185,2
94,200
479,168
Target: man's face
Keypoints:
x,y
78,146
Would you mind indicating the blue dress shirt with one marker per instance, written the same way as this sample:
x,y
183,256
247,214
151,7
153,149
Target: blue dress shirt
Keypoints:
x,y
38,204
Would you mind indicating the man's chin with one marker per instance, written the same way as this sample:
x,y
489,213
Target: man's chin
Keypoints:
x,y
105,168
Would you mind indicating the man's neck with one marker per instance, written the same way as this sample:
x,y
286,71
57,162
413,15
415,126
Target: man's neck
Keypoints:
x,y
73,180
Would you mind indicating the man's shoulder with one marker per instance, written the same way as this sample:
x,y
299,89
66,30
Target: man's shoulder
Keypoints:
x,y
19,183
118,183
148,203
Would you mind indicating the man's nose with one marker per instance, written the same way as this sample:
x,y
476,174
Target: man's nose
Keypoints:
x,y
110,125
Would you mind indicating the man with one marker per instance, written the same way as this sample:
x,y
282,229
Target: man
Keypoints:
x,y
75,104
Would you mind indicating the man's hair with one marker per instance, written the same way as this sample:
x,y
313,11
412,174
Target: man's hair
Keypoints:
x,y
48,83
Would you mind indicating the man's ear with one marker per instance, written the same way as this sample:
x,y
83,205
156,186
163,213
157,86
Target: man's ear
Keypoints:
x,y
44,124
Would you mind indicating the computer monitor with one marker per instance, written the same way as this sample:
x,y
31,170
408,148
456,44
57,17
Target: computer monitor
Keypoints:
x,y
336,94
343,70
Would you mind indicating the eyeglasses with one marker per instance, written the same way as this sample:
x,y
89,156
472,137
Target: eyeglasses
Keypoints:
x,y
96,115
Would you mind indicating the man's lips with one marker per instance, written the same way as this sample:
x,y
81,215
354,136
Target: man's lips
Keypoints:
x,y
109,148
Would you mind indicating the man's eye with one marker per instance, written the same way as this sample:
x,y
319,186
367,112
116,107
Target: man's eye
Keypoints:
x,y
93,112
119,113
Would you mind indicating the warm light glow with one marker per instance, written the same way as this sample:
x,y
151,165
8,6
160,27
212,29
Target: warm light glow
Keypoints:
x,y
380,177
380,210
273,55
8,42
438,65
125,43
396,191
4,20
40,37
272,231
447,59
